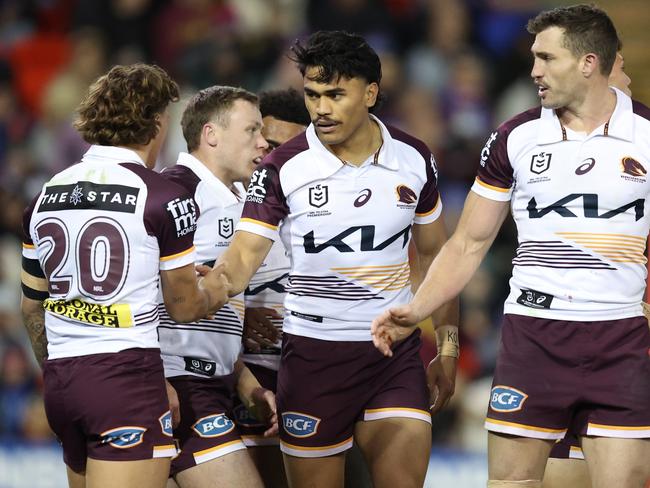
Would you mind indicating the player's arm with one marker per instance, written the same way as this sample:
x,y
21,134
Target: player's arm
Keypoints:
x,y
188,299
441,371
257,399
243,257
34,292
450,271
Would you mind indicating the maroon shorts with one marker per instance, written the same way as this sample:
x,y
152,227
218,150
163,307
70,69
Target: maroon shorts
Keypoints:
x,y
251,429
110,407
205,431
593,377
567,448
325,387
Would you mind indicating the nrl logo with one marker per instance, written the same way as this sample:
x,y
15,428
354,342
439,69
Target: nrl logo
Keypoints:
x,y
226,228
318,195
540,162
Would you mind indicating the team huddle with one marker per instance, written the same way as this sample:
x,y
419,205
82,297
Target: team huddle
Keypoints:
x,y
247,316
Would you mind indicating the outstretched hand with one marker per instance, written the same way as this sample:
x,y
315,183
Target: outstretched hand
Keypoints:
x,y
392,326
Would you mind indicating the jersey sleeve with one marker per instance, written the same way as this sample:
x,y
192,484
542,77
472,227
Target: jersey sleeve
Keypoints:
x,y
495,175
32,274
171,218
265,205
29,248
429,205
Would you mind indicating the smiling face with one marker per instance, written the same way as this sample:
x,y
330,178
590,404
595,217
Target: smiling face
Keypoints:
x,y
240,145
556,71
338,108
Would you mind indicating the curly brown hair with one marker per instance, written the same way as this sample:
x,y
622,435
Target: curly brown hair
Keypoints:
x,y
122,107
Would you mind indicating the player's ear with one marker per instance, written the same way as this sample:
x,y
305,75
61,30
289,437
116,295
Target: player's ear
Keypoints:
x,y
589,64
372,90
210,134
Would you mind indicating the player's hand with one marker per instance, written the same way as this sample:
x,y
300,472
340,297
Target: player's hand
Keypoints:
x,y
441,378
264,409
174,404
392,326
215,282
258,328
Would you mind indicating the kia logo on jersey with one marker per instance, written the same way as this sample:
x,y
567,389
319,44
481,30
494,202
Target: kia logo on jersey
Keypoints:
x,y
318,195
362,199
405,194
540,162
507,399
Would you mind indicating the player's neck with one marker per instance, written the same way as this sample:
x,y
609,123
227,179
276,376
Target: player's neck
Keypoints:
x,y
364,142
221,173
589,113
147,153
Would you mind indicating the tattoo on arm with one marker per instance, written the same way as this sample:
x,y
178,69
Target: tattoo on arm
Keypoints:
x,y
35,325
179,299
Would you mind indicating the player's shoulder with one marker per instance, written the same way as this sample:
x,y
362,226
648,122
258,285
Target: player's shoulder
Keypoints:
x,y
640,109
182,176
409,140
159,188
520,119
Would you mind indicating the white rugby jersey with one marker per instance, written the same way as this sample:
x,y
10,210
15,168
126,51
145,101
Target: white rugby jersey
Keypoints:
x,y
346,228
210,346
101,230
580,203
267,289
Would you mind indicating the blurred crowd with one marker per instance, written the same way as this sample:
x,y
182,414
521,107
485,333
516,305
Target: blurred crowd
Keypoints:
x,y
452,71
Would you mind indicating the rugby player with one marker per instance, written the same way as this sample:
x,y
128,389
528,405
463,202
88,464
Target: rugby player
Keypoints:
x,y
347,222
574,349
96,240
566,466
222,127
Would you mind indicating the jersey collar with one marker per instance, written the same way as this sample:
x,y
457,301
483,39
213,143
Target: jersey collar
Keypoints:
x,y
215,184
620,124
118,154
329,164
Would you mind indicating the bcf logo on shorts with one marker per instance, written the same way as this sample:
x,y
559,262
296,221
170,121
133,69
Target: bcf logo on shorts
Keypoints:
x,y
123,437
213,425
299,424
506,399
166,423
244,418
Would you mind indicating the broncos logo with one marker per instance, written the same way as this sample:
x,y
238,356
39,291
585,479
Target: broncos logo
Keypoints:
x,y
632,167
405,194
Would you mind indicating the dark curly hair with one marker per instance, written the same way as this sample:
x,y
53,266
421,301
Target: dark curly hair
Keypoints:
x,y
122,107
286,105
336,54
587,29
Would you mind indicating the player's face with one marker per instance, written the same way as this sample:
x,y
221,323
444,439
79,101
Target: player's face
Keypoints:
x,y
278,132
618,77
242,146
556,71
338,108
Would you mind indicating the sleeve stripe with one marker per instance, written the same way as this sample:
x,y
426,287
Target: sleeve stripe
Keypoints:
x,y
259,222
28,246
496,188
33,282
33,267
430,211
177,255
